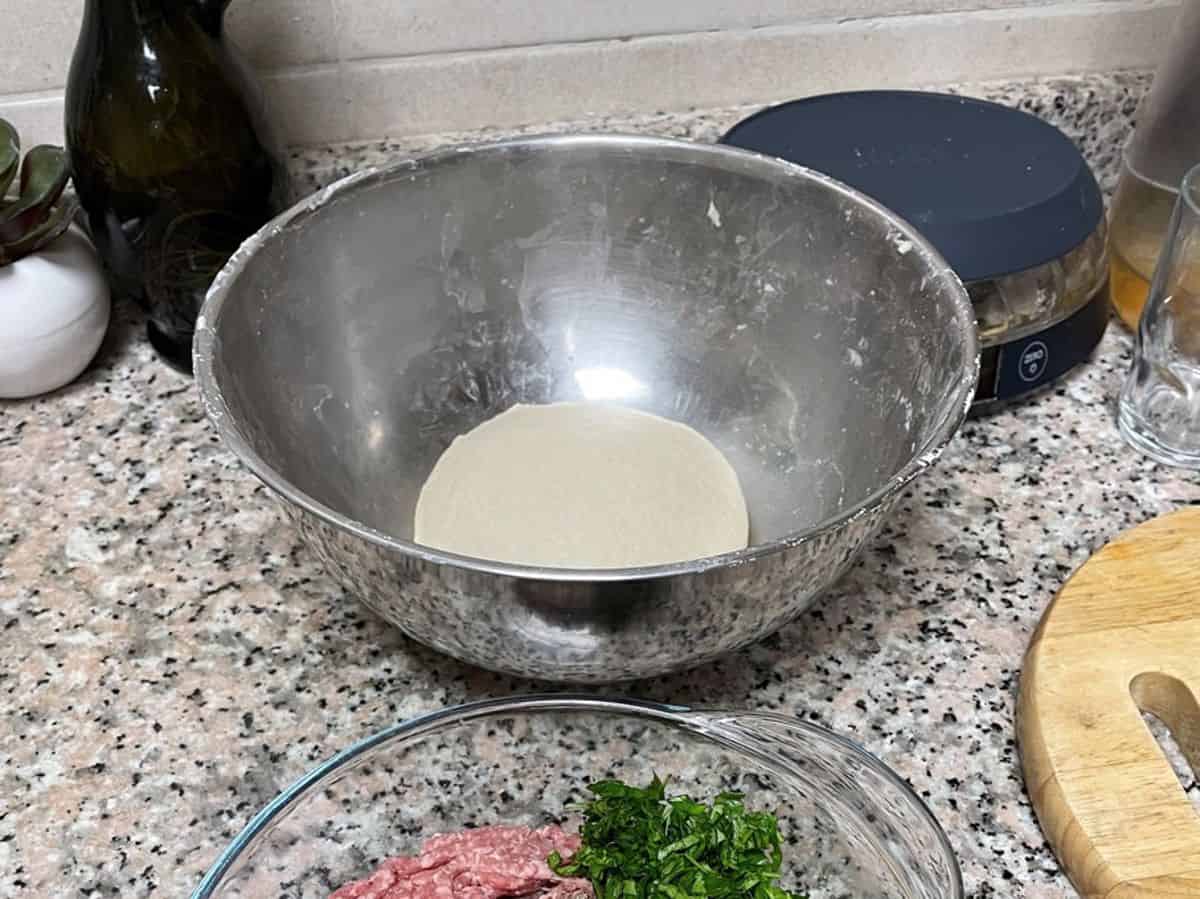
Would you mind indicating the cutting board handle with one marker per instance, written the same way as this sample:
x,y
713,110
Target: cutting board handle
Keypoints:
x,y
1171,701
1122,637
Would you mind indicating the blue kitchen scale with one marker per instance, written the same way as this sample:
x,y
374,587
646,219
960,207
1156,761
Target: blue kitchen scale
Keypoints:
x,y
1004,196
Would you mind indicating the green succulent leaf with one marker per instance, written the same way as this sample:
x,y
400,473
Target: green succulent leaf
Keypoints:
x,y
10,156
44,174
59,220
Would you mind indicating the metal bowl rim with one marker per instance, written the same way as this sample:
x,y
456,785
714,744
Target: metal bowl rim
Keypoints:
x,y
204,348
700,722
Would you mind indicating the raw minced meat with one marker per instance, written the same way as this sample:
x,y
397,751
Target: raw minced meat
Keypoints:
x,y
486,863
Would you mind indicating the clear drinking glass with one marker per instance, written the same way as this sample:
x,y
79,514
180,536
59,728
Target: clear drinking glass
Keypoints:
x,y
1159,410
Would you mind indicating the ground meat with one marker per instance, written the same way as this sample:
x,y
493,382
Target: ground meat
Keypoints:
x,y
487,863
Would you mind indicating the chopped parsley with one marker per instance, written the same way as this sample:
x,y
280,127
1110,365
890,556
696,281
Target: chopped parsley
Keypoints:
x,y
638,844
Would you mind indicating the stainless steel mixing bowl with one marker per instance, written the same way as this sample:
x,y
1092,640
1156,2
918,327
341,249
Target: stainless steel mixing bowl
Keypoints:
x,y
813,336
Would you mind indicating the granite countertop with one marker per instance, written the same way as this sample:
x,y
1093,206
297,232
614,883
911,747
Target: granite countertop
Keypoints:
x,y
173,657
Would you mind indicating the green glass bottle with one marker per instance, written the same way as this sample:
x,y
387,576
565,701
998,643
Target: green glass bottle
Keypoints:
x,y
172,158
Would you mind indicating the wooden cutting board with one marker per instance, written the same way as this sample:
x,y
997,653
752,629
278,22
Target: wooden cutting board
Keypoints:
x,y
1122,634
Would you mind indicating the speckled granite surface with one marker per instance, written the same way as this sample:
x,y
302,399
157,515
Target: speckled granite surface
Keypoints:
x,y
173,657
1097,111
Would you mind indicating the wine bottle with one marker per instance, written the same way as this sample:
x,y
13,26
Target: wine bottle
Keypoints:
x,y
171,154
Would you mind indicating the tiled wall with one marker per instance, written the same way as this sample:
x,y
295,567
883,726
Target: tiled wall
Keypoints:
x,y
345,69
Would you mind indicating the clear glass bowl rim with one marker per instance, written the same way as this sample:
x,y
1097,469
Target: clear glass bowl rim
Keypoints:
x,y
702,722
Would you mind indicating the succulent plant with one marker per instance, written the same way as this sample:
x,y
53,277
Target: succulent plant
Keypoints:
x,y
38,213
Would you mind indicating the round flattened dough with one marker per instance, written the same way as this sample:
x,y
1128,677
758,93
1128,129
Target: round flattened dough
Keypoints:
x,y
579,485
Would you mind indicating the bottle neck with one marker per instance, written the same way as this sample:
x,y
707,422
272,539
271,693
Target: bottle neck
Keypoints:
x,y
117,17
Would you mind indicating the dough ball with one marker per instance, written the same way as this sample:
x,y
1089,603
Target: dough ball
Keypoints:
x,y
582,485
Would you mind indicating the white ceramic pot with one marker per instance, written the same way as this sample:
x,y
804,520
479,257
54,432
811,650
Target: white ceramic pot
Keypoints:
x,y
54,309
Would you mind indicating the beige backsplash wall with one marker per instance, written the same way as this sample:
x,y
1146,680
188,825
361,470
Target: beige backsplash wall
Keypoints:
x,y
348,69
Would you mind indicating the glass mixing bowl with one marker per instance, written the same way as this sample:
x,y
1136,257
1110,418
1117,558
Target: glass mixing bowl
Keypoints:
x,y
851,827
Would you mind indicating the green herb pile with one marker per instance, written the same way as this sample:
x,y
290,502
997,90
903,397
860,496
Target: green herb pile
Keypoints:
x,y
638,844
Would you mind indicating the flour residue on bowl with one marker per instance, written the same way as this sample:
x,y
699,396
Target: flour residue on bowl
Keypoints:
x,y
582,485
